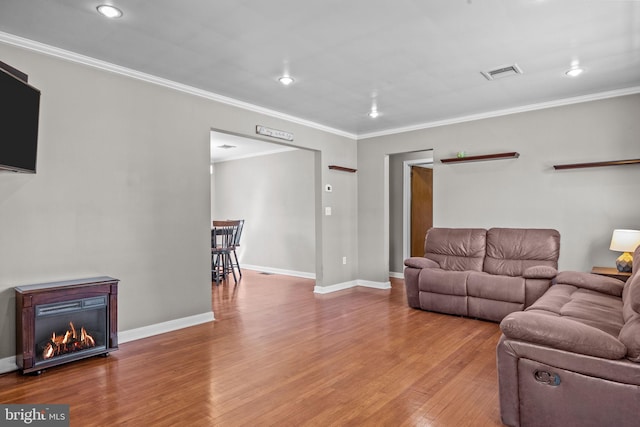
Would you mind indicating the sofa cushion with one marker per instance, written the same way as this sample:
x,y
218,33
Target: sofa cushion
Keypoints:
x,y
510,251
554,299
595,282
633,296
443,282
562,333
635,268
456,249
499,288
630,337
451,304
628,310
630,333
600,311
489,309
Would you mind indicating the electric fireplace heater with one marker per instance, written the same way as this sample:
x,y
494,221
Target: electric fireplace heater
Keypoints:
x,y
60,322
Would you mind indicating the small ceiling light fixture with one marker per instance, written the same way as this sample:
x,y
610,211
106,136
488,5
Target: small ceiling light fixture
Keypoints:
x,y
109,11
286,80
574,72
374,113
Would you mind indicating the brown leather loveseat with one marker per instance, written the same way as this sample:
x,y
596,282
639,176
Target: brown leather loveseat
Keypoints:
x,y
481,273
573,357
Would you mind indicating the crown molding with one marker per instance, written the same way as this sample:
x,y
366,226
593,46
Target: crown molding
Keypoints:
x,y
497,113
24,43
35,46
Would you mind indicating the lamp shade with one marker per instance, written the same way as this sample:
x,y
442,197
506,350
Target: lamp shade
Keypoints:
x,y
625,240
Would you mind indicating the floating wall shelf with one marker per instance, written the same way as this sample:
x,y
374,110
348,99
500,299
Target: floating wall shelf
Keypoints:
x,y
342,168
511,155
597,164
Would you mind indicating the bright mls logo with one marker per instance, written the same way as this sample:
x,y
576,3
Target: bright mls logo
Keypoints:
x,y
34,415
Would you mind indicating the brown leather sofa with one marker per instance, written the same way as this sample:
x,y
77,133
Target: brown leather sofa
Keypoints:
x,y
480,273
573,357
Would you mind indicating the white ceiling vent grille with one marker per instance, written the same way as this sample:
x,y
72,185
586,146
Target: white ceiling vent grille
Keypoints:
x,y
502,72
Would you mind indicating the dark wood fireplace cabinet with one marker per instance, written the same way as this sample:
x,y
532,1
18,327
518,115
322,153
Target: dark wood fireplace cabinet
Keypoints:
x,y
60,322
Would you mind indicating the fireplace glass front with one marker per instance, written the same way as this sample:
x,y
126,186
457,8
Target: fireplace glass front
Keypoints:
x,y
71,329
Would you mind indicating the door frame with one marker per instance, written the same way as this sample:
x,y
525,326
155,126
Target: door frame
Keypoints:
x,y
406,201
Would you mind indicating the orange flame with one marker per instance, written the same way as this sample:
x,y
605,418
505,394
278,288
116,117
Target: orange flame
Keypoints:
x,y
68,343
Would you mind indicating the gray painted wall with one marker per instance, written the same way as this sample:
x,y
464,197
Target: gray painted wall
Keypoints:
x,y
585,205
275,195
123,189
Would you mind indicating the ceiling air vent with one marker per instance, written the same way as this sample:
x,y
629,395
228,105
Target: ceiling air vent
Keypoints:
x,y
502,72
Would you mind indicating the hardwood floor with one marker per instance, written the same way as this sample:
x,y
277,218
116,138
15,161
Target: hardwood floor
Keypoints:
x,y
278,354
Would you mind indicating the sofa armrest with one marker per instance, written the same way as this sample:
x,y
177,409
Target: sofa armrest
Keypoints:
x,y
594,282
540,272
562,333
421,262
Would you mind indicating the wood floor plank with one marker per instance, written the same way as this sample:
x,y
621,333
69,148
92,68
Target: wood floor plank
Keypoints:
x,y
278,354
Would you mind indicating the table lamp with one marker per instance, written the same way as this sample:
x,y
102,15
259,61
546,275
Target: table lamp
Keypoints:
x,y
625,241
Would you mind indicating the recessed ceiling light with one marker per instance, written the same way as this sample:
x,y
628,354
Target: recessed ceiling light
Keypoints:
x,y
286,80
109,11
373,113
574,72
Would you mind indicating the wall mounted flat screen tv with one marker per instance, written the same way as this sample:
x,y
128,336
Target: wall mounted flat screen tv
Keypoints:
x,y
19,113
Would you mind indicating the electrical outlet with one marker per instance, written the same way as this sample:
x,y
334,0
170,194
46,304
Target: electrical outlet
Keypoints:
x,y
328,188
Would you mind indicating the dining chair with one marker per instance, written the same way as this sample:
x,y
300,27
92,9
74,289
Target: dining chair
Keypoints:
x,y
234,262
223,238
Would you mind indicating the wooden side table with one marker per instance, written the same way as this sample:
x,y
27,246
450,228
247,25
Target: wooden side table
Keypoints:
x,y
611,272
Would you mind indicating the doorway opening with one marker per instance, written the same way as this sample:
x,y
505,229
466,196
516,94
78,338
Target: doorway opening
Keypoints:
x,y
272,187
398,203
417,205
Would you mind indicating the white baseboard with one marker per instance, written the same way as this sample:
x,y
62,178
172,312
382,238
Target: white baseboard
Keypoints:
x,y
396,275
334,288
272,270
8,364
161,328
351,284
326,289
374,285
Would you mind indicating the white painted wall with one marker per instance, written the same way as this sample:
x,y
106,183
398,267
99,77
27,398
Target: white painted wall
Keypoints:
x,y
585,205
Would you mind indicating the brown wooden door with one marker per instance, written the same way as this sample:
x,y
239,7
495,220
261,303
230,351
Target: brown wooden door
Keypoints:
x,y
421,207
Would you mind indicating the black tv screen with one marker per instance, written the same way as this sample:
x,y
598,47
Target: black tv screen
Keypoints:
x,y
19,113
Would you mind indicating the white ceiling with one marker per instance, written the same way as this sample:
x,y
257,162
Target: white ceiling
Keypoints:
x,y
225,147
419,60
